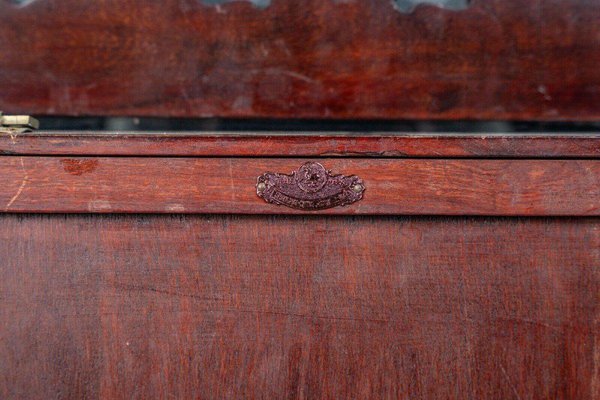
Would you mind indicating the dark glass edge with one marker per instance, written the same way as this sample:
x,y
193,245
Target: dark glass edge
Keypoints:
x,y
302,125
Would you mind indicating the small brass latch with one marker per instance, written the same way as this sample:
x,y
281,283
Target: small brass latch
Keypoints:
x,y
17,123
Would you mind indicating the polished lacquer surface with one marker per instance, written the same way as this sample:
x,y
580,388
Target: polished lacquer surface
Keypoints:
x,y
432,59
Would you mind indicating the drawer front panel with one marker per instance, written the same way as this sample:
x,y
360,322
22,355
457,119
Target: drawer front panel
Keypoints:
x,y
291,307
229,185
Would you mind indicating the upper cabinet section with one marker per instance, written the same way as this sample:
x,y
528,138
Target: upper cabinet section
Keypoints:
x,y
414,59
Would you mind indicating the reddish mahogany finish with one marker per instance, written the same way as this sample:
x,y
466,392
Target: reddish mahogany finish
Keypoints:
x,y
299,306
392,145
498,59
186,307
228,185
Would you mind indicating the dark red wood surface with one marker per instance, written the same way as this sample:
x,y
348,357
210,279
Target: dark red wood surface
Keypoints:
x,y
216,307
248,144
228,185
498,59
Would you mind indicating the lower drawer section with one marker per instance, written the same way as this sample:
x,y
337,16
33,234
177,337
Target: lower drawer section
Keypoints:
x,y
229,185
297,307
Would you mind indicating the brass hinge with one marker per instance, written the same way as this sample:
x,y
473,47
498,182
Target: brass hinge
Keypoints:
x,y
13,124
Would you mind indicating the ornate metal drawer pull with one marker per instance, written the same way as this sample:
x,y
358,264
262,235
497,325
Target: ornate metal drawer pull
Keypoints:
x,y
310,188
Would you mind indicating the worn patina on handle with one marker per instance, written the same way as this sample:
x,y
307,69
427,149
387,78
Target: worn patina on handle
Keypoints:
x,y
310,188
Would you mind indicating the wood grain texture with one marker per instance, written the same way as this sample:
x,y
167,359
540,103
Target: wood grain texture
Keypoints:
x,y
542,145
498,59
138,307
228,185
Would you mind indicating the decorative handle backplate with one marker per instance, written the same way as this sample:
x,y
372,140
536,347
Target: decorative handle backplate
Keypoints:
x,y
310,188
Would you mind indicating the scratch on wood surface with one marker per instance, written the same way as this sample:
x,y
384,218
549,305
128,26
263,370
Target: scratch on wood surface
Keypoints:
x,y
231,183
175,208
284,72
11,133
596,363
21,188
255,3
292,74
510,383
167,292
175,293
99,206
